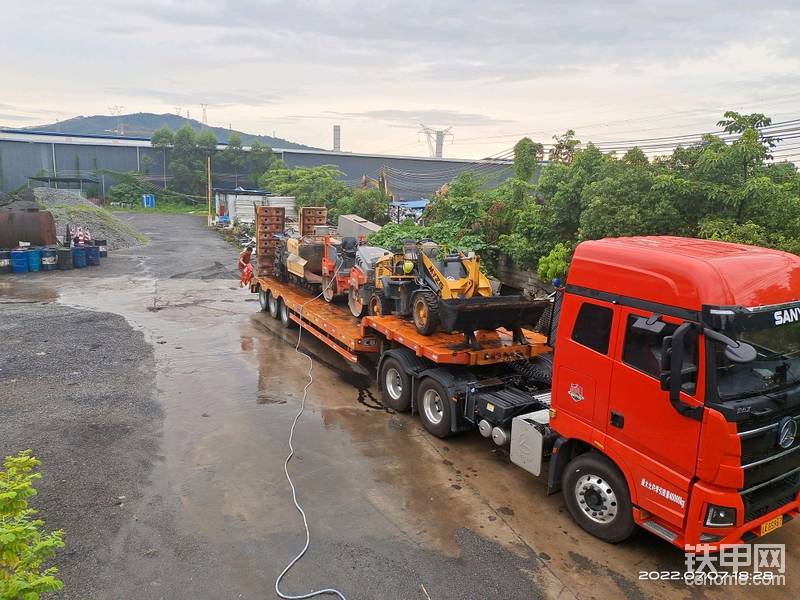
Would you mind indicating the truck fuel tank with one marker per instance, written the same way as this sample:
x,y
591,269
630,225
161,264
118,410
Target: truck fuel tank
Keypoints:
x,y
531,440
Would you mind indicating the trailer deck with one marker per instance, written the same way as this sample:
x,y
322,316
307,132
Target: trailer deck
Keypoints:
x,y
333,324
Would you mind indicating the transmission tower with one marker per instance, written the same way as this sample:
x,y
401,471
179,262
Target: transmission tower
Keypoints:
x,y
205,116
436,139
178,110
116,110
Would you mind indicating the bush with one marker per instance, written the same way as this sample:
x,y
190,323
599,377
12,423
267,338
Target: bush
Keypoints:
x,y
23,547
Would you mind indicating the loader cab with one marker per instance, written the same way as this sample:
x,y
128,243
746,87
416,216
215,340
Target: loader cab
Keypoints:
x,y
668,362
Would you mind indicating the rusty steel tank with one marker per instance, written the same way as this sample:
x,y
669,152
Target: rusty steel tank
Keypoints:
x,y
21,220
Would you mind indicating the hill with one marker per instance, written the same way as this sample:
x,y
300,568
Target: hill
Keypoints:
x,y
144,124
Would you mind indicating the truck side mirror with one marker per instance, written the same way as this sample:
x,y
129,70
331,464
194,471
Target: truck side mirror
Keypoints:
x,y
673,375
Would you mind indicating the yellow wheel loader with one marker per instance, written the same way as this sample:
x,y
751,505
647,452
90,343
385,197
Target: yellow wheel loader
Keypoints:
x,y
445,290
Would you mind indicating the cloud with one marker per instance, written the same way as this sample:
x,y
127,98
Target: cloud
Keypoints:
x,y
432,117
219,98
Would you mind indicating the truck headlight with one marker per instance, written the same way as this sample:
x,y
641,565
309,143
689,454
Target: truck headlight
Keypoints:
x,y
720,516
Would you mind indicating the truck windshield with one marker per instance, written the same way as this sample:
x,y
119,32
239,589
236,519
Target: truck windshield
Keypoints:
x,y
776,367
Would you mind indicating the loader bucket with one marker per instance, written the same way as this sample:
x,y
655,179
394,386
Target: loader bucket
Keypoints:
x,y
490,312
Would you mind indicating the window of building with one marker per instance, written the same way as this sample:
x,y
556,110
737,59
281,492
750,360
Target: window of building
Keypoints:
x,y
593,327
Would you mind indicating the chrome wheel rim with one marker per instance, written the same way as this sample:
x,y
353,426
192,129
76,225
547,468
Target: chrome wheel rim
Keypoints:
x,y
433,407
394,384
596,498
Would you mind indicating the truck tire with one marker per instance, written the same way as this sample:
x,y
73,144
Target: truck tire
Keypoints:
x,y
598,498
395,384
379,305
425,312
285,318
263,300
274,305
433,404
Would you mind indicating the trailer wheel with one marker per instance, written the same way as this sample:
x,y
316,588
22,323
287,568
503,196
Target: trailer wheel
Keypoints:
x,y
433,405
274,305
263,300
425,312
597,497
379,305
285,316
395,385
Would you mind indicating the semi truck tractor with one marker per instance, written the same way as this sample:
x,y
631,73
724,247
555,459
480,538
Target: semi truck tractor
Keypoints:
x,y
662,389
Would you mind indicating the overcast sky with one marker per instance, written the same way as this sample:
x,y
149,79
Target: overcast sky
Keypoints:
x,y
613,70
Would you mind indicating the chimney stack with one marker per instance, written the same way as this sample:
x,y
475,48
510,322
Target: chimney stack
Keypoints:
x,y
337,138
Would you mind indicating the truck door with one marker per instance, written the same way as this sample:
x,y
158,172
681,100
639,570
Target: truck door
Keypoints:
x,y
661,444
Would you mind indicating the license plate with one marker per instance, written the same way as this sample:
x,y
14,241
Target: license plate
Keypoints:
x,y
771,525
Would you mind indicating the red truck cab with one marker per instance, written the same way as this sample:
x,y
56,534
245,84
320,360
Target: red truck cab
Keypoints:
x,y
689,439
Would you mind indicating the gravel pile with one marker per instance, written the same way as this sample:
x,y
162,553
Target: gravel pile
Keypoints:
x,y
68,207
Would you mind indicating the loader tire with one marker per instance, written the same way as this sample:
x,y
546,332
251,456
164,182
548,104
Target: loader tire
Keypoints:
x,y
425,312
379,305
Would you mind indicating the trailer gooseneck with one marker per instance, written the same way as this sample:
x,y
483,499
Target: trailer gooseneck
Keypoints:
x,y
664,393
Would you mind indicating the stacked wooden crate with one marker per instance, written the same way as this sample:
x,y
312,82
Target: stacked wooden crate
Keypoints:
x,y
270,221
311,217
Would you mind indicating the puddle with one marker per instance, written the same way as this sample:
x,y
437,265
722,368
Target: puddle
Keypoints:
x,y
26,291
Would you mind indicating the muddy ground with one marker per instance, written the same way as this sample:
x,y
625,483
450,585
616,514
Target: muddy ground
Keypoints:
x,y
159,400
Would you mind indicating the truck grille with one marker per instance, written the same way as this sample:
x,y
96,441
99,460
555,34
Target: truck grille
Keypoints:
x,y
771,472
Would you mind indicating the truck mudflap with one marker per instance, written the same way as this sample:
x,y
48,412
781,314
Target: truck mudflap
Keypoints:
x,y
490,312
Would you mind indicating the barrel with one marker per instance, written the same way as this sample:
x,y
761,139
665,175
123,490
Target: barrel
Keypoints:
x,y
102,245
78,257
34,260
5,261
19,261
92,256
49,259
64,259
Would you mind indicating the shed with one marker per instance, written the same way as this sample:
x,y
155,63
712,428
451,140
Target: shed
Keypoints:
x,y
237,203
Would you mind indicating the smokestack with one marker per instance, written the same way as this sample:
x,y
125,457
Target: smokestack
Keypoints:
x,y
337,138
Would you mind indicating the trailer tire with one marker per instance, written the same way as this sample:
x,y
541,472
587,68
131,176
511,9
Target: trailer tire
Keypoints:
x,y
263,299
395,384
286,318
433,404
425,312
274,305
598,498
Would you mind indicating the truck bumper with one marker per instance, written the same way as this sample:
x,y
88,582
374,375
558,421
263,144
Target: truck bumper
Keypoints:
x,y
698,533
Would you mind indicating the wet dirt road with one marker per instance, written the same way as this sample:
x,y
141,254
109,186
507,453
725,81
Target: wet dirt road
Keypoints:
x,y
394,512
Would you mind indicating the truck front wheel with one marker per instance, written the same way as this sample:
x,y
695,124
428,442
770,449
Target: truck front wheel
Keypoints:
x,y
597,497
433,405
395,385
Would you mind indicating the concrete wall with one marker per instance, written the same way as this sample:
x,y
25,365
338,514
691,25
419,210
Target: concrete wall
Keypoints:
x,y
519,278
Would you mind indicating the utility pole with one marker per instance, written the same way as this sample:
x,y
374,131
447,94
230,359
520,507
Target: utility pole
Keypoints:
x,y
208,187
436,139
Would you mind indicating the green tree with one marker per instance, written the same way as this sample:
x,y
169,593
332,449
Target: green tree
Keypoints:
x,y
368,203
24,548
233,157
261,159
563,151
311,186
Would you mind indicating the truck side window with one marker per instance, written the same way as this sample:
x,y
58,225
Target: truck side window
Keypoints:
x,y
642,350
593,327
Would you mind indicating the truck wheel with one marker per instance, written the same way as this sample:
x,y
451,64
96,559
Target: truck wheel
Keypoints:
x,y
274,308
597,497
263,300
395,385
425,312
433,405
285,318
379,305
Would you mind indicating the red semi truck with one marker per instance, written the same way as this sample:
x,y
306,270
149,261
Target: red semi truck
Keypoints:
x,y
664,393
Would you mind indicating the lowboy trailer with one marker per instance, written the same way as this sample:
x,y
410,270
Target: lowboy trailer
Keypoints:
x,y
665,391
